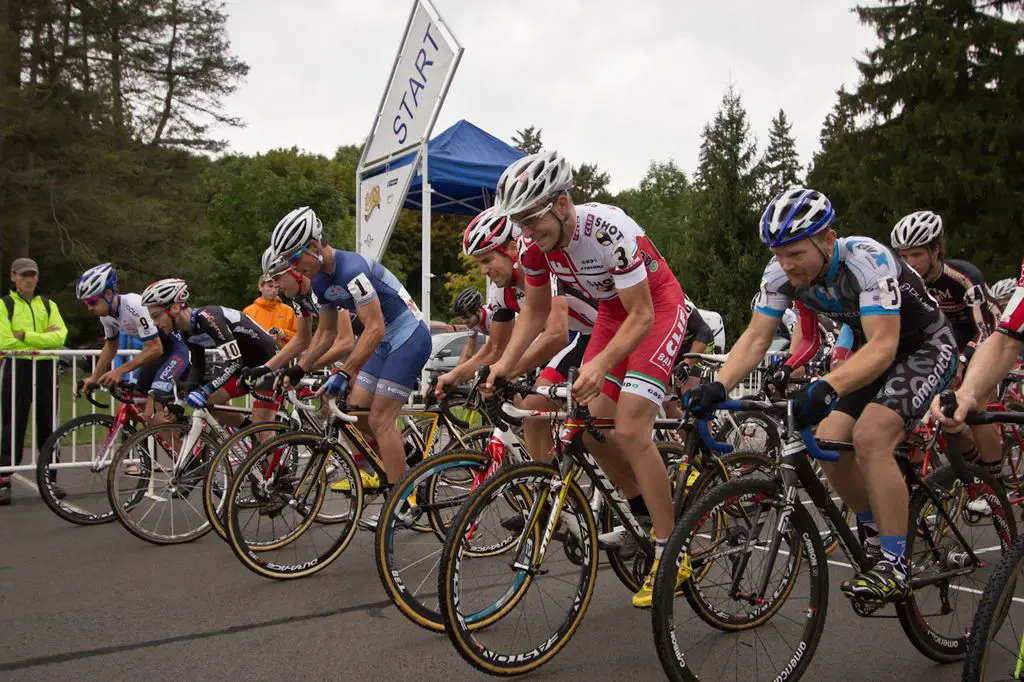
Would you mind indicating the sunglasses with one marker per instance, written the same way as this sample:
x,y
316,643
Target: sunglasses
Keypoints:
x,y
536,215
159,311
91,301
294,258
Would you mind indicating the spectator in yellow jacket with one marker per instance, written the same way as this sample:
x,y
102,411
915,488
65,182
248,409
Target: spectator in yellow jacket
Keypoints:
x,y
271,313
32,323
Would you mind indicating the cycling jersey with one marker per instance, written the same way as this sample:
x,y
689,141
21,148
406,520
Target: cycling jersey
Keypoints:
x,y
960,291
696,328
608,252
240,341
865,278
132,318
306,305
356,281
504,303
1011,322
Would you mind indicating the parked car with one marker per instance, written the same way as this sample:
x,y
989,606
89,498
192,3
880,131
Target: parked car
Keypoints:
x,y
447,347
438,327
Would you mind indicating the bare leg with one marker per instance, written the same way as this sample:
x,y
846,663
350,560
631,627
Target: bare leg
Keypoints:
x,y
845,475
875,436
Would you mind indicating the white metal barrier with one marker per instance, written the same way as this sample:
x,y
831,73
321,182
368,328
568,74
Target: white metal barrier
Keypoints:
x,y
76,364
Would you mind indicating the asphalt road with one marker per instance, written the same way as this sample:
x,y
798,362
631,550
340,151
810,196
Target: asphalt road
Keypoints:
x,y
96,603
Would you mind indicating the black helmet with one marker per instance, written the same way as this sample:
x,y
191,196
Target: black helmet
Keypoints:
x,y
468,302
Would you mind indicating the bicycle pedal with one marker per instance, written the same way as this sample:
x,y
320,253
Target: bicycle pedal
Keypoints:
x,y
865,609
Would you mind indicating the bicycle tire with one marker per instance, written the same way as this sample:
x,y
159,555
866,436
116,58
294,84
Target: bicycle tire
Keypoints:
x,y
253,555
423,613
124,510
945,648
995,604
462,636
215,508
808,552
64,508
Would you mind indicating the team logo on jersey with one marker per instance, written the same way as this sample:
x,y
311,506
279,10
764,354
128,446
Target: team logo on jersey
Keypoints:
x,y
371,201
335,292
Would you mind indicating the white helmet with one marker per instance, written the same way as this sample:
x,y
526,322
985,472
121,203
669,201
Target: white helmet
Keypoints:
x,y
1004,288
920,228
530,180
96,280
294,231
487,232
272,264
165,292
795,214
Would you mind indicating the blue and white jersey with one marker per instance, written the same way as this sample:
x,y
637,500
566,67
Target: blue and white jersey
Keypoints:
x,y
356,281
865,278
133,319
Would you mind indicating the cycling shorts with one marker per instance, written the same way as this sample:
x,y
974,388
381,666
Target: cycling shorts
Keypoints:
x,y
909,385
392,372
265,385
644,372
160,374
557,370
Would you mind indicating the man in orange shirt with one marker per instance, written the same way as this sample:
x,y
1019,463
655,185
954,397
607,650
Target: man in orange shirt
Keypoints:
x,y
269,312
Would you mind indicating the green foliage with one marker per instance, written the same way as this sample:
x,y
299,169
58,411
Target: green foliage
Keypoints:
x,y
590,184
528,140
934,123
469,275
780,166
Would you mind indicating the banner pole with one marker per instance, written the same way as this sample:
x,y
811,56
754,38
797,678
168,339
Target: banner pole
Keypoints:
x,y
425,304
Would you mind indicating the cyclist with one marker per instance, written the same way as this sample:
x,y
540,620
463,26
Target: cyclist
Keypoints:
x,y
699,336
1001,291
298,289
239,341
490,241
907,355
959,287
164,356
995,357
381,371
469,306
641,321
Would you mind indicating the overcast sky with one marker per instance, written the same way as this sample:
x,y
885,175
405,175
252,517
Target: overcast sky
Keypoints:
x,y
609,82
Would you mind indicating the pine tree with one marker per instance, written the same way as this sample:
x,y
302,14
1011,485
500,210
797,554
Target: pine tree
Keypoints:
x,y
780,166
934,123
528,140
725,255
590,184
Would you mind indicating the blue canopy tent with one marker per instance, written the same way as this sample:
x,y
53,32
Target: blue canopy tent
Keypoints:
x,y
465,163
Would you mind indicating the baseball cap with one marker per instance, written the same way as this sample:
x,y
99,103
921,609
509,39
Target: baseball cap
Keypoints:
x,y
21,265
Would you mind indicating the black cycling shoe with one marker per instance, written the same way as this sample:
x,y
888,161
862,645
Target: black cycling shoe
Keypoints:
x,y
5,494
883,583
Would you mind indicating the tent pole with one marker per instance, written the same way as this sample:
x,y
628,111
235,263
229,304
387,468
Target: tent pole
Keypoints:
x,y
425,306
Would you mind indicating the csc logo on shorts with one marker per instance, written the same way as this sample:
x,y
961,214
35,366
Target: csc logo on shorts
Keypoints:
x,y
665,355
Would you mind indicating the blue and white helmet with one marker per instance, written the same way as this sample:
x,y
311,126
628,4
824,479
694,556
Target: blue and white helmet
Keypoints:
x,y
794,214
96,280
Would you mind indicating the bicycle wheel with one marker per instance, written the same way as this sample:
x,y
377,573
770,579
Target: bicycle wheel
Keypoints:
x,y
725,625
222,469
533,610
1013,460
85,500
751,432
994,650
946,586
150,500
277,495
407,560
474,440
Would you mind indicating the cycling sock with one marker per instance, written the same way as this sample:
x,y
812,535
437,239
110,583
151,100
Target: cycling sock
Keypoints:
x,y
894,547
993,469
638,506
971,456
659,547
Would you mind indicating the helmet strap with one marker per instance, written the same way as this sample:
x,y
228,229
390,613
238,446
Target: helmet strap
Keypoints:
x,y
828,260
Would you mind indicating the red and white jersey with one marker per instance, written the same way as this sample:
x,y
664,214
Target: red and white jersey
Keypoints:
x,y
608,252
504,303
1012,321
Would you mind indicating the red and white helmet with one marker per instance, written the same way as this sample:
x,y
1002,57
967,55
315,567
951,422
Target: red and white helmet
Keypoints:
x,y
165,292
488,232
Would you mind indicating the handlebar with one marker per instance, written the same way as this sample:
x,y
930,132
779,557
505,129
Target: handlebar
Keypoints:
x,y
121,392
948,405
806,435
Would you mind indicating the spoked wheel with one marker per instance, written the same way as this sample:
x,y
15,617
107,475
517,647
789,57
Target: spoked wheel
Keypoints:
x,y
995,650
707,629
222,469
946,581
79,494
511,613
154,497
278,497
407,560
